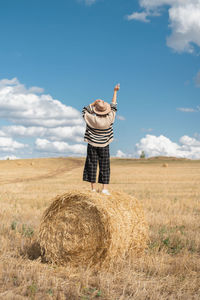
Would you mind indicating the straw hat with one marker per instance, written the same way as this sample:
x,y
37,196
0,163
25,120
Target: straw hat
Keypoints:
x,y
101,107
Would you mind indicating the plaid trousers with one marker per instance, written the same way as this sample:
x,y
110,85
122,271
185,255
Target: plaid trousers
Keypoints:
x,y
95,155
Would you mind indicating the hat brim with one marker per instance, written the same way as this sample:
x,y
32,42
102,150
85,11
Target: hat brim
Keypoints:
x,y
105,112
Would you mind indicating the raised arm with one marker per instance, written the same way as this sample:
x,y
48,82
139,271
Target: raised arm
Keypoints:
x,y
116,89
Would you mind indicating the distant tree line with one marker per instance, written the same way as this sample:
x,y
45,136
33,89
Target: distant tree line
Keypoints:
x,y
142,155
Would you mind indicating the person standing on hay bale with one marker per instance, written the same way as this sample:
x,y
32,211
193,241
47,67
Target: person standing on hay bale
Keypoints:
x,y
99,117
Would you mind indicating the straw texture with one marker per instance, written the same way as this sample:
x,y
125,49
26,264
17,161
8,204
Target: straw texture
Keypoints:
x,y
92,229
165,165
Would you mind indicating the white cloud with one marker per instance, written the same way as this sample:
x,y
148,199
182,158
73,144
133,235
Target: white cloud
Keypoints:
x,y
189,142
162,146
36,90
184,21
88,2
9,145
2,133
30,114
45,145
121,118
147,129
4,82
121,154
139,16
155,4
18,87
187,109
22,106
73,133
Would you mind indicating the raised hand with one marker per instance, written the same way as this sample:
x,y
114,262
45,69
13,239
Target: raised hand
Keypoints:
x,y
94,103
117,87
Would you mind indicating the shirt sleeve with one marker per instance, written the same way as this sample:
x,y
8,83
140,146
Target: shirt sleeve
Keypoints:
x,y
87,109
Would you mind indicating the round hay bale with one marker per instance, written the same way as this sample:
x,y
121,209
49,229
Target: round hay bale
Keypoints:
x,y
90,228
32,163
165,165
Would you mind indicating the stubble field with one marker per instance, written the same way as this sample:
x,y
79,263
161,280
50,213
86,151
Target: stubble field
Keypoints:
x,y
170,266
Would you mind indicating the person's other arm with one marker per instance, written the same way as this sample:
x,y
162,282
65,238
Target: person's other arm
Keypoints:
x,y
116,89
113,104
88,109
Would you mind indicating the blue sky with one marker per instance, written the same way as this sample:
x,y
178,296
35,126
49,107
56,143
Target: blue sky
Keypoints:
x,y
76,51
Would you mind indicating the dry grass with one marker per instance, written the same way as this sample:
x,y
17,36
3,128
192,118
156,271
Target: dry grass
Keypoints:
x,y
170,268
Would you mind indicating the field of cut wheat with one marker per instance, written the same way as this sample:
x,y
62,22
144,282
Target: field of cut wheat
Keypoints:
x,y
168,190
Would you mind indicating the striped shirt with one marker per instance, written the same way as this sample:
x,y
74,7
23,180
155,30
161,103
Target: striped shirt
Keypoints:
x,y
99,130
